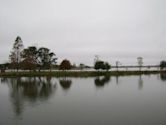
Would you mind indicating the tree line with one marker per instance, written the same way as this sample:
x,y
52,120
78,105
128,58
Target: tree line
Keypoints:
x,y
33,58
30,58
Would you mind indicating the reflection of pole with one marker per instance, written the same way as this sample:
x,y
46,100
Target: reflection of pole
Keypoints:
x,y
117,80
117,65
140,82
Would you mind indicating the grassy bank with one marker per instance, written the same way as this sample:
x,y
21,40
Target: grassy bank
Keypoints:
x,y
76,73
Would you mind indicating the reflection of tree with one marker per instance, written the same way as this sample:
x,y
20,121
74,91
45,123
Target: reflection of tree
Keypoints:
x,y
117,79
4,80
16,98
28,89
65,83
100,82
140,82
163,76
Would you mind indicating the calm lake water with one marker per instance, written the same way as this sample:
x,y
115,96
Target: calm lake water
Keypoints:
x,y
124,100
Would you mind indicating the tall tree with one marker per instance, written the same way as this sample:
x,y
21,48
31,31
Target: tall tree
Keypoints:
x,y
15,56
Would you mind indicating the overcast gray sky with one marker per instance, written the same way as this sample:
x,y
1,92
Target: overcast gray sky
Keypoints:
x,y
79,29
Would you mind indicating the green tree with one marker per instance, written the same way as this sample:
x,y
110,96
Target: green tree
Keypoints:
x,y
15,56
65,65
45,58
162,64
107,66
102,65
99,65
29,56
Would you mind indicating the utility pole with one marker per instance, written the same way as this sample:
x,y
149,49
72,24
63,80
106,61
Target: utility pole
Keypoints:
x,y
117,63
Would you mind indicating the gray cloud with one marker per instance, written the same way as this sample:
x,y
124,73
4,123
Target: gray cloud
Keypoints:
x,y
78,30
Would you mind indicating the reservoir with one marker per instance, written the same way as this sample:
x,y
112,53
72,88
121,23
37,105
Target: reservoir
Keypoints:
x,y
104,100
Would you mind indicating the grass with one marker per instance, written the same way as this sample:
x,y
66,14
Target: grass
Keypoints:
x,y
77,73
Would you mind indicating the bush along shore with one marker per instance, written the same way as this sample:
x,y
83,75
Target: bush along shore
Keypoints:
x,y
77,73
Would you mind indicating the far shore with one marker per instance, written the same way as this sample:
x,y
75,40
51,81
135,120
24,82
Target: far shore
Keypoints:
x,y
77,73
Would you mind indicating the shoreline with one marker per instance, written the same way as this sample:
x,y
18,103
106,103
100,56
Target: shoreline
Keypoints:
x,y
78,73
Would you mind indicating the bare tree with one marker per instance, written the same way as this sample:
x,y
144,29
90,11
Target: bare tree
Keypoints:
x,y
15,56
96,59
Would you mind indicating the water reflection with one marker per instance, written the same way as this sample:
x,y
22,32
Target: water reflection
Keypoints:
x,y
29,90
117,79
101,81
163,76
140,82
114,104
65,83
